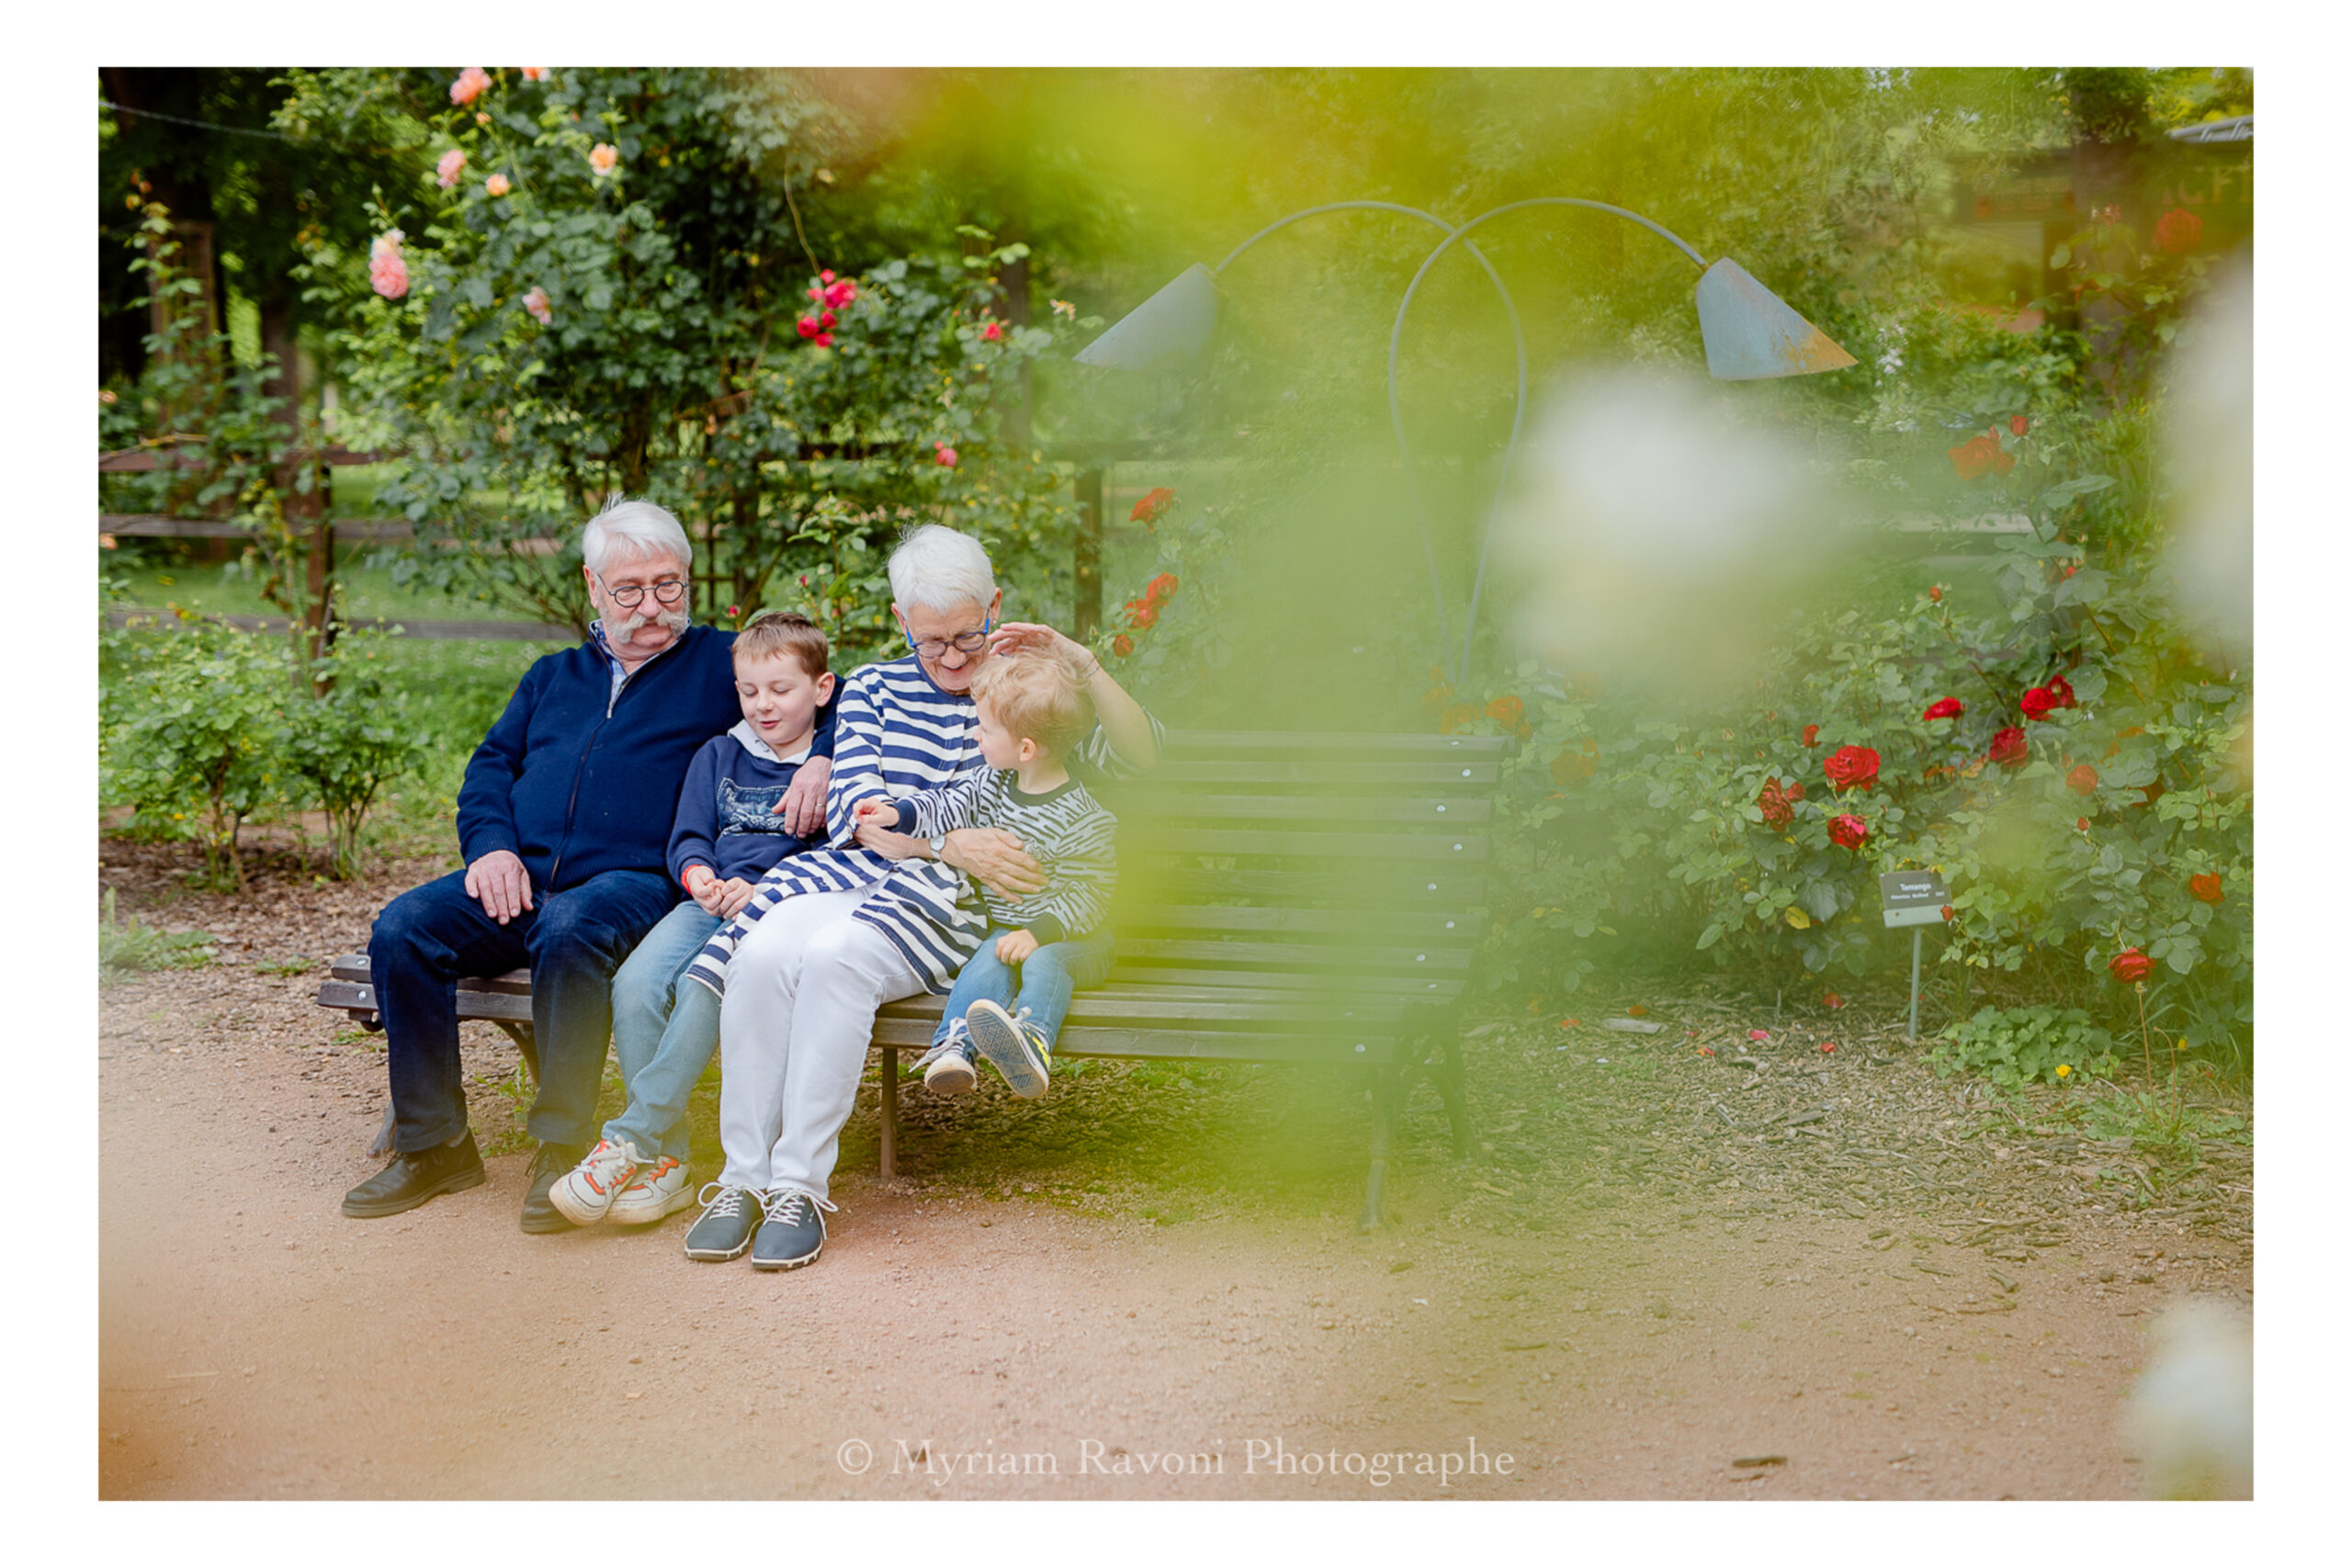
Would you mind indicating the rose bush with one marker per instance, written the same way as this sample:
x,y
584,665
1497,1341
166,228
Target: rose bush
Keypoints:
x,y
1624,826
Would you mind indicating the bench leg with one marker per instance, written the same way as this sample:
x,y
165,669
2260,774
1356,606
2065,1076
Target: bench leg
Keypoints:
x,y
1384,1099
525,1042
1453,1083
889,1138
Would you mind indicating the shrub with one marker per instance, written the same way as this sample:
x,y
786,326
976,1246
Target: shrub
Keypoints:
x,y
349,742
2022,1046
194,735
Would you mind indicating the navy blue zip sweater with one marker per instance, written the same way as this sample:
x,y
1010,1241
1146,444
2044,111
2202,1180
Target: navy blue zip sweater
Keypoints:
x,y
578,781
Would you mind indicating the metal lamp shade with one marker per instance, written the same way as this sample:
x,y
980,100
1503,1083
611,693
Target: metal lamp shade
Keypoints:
x,y
1751,335
1178,321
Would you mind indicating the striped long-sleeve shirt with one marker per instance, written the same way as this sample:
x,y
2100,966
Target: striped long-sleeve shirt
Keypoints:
x,y
896,733
1066,828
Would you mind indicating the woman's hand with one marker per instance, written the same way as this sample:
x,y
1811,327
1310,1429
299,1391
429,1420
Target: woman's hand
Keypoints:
x,y
890,844
803,805
1027,636
996,857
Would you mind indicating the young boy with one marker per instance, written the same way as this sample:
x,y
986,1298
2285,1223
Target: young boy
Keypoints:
x,y
1010,998
727,835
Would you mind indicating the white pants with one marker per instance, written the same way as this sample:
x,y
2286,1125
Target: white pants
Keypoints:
x,y
793,1030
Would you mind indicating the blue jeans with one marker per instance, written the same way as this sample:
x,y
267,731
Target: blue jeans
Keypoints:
x,y
666,1028
431,937
1042,982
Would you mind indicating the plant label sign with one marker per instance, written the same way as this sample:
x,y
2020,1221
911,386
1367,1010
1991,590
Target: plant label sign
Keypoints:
x,y
1913,898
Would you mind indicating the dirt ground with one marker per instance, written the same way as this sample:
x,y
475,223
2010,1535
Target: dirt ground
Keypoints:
x,y
1770,1273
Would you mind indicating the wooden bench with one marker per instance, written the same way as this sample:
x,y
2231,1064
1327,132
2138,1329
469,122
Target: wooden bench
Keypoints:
x,y
1309,898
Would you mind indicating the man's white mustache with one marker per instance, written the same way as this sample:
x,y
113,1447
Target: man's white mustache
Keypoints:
x,y
673,620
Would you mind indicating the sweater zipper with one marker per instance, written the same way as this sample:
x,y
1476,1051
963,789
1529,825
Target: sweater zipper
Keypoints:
x,y
580,769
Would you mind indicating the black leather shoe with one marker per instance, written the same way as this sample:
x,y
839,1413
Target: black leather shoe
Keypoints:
x,y
548,1167
416,1179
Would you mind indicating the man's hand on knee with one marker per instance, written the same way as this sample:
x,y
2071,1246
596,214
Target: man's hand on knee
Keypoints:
x,y
499,883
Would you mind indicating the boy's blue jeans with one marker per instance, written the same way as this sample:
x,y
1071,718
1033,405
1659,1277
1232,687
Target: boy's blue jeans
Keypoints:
x,y
1042,982
665,1027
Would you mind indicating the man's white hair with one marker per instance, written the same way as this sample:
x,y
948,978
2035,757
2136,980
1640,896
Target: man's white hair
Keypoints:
x,y
634,530
936,568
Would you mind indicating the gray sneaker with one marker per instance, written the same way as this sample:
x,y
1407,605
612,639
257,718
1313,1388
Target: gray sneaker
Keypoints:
x,y
1014,1046
794,1233
724,1231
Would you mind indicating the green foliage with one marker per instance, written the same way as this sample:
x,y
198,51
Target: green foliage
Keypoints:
x,y
125,946
643,321
352,740
192,730
2021,1045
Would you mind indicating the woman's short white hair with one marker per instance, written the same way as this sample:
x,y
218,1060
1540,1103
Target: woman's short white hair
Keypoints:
x,y
634,530
938,569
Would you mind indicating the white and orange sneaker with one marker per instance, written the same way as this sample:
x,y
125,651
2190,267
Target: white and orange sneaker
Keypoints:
x,y
656,1193
583,1194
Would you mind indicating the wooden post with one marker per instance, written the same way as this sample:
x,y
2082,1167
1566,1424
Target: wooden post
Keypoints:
x,y
1087,609
889,1138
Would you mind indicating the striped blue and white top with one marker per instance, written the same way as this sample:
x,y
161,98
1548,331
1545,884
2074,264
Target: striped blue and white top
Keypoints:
x,y
896,733
1073,839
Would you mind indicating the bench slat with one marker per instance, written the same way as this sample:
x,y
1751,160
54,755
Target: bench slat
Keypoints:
x,y
1378,887
1467,849
1463,773
1169,1045
1343,925
1146,811
1246,742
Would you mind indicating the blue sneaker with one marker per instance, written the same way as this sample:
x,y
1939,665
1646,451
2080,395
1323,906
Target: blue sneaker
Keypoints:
x,y
946,1067
724,1231
794,1233
1016,1047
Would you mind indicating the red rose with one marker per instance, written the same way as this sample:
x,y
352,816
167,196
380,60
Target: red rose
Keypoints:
x,y
2179,231
2082,824
1935,591
2130,966
2060,691
1770,801
2017,424
1153,506
1980,455
1849,831
2037,703
807,327
1943,708
2083,779
1851,767
2205,887
1832,1000
2008,748
1161,587
1506,710
1122,645
1811,734
992,332
1947,912
1142,612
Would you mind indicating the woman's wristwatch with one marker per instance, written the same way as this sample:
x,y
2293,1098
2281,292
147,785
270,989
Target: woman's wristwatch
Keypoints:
x,y
938,843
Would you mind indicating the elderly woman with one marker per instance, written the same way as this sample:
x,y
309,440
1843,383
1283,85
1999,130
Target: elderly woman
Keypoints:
x,y
832,934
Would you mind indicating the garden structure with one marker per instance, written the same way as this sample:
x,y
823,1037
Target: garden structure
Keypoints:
x,y
1304,898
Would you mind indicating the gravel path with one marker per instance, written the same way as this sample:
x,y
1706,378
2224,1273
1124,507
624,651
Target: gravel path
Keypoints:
x,y
1864,1279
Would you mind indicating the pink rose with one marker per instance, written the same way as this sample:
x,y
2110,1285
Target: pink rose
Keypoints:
x,y
536,301
841,294
468,86
826,319
806,326
496,185
946,455
534,73
603,158
452,164
823,340
992,332
386,271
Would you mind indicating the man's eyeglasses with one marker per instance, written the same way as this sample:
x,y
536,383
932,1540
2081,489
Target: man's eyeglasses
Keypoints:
x,y
668,590
968,642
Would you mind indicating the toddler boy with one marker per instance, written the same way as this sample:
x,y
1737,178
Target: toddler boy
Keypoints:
x,y
1010,1000
727,835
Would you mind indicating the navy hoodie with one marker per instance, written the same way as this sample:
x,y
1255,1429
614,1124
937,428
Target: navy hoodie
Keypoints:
x,y
578,781
727,818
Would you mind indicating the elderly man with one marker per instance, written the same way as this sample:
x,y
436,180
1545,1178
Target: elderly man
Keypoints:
x,y
563,822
